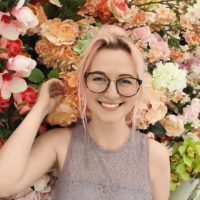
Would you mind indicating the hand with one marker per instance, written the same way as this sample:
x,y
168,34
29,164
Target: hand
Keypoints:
x,y
50,95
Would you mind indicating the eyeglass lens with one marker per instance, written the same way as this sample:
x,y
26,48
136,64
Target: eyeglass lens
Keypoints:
x,y
126,86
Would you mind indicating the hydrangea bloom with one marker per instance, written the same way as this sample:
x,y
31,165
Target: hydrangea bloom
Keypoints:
x,y
168,77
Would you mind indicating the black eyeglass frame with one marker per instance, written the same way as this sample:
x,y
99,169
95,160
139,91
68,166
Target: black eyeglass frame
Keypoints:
x,y
109,80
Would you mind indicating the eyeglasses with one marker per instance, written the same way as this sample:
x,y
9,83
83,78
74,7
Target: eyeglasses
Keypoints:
x,y
98,82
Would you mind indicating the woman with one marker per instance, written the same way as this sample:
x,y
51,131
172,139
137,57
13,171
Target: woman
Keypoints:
x,y
102,157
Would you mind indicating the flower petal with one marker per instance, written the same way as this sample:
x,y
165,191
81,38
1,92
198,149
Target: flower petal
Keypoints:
x,y
18,85
10,31
20,4
5,90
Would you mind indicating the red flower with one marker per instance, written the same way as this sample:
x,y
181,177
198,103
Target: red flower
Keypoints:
x,y
4,103
103,10
1,142
24,101
12,47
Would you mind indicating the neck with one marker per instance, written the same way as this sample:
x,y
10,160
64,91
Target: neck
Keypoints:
x,y
109,135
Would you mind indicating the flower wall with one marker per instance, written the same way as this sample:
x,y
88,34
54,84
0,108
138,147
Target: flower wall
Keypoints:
x,y
43,39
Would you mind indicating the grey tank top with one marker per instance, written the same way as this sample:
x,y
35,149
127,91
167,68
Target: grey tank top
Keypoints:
x,y
76,180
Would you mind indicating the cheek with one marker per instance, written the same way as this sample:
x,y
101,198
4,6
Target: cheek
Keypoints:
x,y
91,99
129,105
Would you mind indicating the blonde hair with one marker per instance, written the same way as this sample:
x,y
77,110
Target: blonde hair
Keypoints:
x,y
112,37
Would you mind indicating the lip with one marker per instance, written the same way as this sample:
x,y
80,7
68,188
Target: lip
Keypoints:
x,y
109,108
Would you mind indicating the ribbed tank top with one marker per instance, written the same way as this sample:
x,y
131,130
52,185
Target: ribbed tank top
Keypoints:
x,y
76,180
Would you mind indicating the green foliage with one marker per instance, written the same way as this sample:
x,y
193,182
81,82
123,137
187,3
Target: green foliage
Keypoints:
x,y
70,8
50,10
36,76
185,161
4,132
54,73
83,41
157,128
6,4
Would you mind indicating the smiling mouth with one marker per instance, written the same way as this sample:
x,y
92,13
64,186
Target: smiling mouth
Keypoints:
x,y
110,106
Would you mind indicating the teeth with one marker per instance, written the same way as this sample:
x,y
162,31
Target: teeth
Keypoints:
x,y
110,105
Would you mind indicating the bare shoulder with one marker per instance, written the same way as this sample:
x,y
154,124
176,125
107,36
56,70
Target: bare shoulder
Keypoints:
x,y
158,152
60,139
159,167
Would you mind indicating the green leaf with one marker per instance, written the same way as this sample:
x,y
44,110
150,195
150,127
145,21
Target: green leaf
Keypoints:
x,y
188,126
187,160
182,171
54,73
173,42
180,168
182,149
185,176
36,76
4,132
173,186
70,8
157,128
6,4
50,10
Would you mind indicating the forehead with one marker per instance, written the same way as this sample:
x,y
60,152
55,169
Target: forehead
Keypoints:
x,y
113,62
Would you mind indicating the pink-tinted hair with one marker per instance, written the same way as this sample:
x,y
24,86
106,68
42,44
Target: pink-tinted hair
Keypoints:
x,y
112,37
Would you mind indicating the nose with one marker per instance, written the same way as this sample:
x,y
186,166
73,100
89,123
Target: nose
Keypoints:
x,y
111,92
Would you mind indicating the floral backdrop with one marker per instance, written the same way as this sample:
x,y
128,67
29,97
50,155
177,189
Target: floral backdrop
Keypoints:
x,y
43,39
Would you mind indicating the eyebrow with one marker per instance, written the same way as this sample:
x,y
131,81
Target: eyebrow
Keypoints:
x,y
120,75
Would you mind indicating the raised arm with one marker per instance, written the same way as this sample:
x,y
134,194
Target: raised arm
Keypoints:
x,y
21,161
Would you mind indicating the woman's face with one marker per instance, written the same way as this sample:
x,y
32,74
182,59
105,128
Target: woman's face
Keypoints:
x,y
109,106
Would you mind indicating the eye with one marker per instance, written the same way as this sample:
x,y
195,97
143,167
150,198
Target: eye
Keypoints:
x,y
125,81
98,78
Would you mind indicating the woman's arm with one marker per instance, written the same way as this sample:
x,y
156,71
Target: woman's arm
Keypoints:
x,y
159,170
21,160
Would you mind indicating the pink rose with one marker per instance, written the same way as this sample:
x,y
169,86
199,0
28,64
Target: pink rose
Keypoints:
x,y
191,112
24,101
160,45
24,16
11,83
142,33
9,28
22,65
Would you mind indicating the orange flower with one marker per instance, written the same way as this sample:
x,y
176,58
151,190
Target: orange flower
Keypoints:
x,y
90,8
154,110
103,10
165,15
177,55
70,78
173,125
192,38
38,11
55,56
66,113
153,55
119,9
60,32
139,18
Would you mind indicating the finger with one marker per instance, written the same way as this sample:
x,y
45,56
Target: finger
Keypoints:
x,y
58,85
56,93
